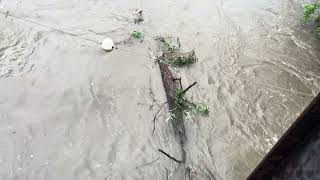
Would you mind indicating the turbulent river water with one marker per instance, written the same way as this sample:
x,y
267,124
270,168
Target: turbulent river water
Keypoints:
x,y
70,111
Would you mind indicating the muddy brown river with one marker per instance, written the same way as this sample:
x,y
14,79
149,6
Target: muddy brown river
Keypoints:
x,y
70,111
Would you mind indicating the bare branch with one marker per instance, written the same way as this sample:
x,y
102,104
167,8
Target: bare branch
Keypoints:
x,y
172,158
155,117
184,91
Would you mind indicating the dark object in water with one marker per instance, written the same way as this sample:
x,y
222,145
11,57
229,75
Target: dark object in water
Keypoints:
x,y
297,154
170,87
169,156
139,17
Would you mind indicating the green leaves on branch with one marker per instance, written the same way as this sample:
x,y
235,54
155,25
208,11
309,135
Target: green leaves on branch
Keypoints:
x,y
179,98
189,108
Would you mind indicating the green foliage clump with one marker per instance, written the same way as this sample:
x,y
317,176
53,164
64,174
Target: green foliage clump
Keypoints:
x,y
180,59
137,34
201,109
172,55
189,108
309,10
179,98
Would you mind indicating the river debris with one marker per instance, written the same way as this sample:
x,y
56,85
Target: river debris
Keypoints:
x,y
177,59
148,163
179,106
139,17
170,86
188,108
172,54
107,44
201,108
170,44
169,156
137,34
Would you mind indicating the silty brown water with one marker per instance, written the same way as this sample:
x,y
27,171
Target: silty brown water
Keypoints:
x,y
68,110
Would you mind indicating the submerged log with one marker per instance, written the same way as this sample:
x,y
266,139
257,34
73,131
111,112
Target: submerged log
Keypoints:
x,y
170,86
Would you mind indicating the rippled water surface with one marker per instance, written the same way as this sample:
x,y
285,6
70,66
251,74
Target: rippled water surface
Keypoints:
x,y
70,111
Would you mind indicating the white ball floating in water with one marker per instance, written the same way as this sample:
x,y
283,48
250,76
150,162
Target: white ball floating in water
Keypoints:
x,y
107,44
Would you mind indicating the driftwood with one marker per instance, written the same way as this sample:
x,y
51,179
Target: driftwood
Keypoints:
x,y
170,87
169,156
177,103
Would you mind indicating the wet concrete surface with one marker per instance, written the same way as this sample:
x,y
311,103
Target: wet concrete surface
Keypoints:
x,y
68,110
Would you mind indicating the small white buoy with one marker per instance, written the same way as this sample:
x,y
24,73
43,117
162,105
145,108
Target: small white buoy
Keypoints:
x,y
107,44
